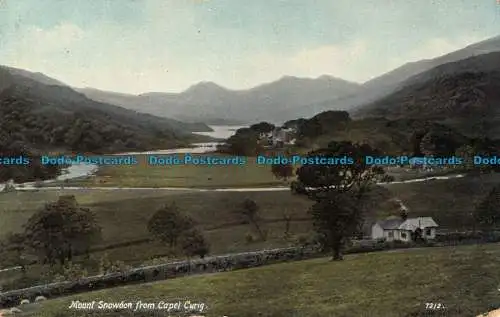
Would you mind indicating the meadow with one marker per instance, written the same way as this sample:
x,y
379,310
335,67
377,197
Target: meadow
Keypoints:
x,y
123,213
144,174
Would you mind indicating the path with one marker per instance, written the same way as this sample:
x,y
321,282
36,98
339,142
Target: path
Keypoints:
x,y
245,189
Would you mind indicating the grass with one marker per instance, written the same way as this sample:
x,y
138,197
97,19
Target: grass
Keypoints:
x,y
193,176
450,202
123,214
464,279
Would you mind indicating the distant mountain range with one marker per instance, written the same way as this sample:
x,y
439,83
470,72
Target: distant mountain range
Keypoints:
x,y
276,101
285,99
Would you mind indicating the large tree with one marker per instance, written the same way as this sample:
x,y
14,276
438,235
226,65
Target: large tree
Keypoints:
x,y
168,224
339,192
61,230
336,217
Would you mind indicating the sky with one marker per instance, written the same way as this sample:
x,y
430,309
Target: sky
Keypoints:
x,y
137,46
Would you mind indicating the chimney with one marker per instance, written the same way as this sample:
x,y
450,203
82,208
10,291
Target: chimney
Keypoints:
x,y
403,212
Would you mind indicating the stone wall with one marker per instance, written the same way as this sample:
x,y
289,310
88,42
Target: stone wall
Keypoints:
x,y
159,272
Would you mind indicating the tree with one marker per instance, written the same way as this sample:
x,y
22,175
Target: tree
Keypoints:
x,y
194,244
282,171
288,219
62,229
250,210
244,142
357,176
336,217
169,223
339,192
262,127
466,152
13,250
487,213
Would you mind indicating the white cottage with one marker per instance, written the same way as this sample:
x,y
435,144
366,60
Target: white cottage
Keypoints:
x,y
405,229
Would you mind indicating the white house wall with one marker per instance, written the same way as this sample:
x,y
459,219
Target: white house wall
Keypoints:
x,y
432,234
377,232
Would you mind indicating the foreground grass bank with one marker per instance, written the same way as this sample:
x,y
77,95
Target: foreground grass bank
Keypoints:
x,y
396,283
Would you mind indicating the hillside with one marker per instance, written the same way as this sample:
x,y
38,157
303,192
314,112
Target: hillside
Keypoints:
x,y
464,279
23,78
463,94
400,74
277,101
35,117
391,81
396,136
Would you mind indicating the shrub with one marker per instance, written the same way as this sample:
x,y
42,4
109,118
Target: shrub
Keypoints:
x,y
249,238
303,239
107,266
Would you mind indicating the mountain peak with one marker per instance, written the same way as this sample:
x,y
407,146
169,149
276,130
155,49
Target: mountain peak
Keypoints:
x,y
205,86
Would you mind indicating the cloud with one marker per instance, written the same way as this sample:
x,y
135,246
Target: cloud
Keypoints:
x,y
35,47
168,45
33,39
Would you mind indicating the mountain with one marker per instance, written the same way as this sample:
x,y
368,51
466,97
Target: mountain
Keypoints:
x,y
400,74
464,94
277,101
389,82
41,116
39,77
28,79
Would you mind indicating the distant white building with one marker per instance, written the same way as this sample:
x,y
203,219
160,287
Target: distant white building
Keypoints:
x,y
278,137
265,135
282,136
405,230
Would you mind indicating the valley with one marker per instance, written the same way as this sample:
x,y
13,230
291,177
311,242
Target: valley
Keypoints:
x,y
184,115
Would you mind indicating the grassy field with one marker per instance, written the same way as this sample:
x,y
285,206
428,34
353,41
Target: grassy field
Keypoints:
x,y
123,214
449,202
463,279
193,176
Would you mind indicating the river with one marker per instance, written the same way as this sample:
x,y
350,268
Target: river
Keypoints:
x,y
219,132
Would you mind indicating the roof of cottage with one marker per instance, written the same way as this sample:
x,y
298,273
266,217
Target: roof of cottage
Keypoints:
x,y
408,224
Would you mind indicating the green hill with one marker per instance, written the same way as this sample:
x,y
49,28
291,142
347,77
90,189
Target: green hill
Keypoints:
x,y
464,95
36,117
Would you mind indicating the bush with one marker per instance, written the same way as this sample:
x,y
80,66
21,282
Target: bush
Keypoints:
x,y
249,238
107,266
74,272
303,239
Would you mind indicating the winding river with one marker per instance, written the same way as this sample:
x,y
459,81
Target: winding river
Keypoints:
x,y
219,132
